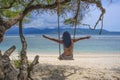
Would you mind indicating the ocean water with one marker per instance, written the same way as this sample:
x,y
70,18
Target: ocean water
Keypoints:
x,y
36,43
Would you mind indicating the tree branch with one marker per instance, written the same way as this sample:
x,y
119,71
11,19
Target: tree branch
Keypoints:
x,y
13,21
35,61
29,8
8,70
99,5
30,68
43,6
9,51
100,17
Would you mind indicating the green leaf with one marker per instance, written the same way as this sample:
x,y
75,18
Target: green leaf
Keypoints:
x,y
69,21
48,1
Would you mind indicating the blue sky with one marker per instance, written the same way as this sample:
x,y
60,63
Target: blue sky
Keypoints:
x,y
111,18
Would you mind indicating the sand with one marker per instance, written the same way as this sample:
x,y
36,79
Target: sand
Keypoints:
x,y
83,67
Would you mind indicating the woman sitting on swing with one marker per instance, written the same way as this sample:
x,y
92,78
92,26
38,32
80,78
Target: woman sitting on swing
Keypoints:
x,y
68,44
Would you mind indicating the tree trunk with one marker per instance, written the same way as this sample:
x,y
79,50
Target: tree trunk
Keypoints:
x,y
5,25
23,75
2,29
7,71
25,68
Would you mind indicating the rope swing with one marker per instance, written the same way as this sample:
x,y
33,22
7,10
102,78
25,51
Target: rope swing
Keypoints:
x,y
58,17
76,20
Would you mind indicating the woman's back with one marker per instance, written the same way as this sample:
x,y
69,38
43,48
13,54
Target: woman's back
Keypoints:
x,y
68,51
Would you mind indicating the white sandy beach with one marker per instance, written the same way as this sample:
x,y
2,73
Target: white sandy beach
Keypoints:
x,y
83,67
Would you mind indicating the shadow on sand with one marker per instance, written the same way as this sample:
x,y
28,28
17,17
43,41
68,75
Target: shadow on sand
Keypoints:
x,y
52,72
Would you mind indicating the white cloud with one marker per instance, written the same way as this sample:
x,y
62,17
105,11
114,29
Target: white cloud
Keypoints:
x,y
111,18
43,21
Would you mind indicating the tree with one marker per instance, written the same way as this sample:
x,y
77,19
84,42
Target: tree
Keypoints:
x,y
14,12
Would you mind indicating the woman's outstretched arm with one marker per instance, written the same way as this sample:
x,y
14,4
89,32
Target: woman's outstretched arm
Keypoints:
x,y
82,38
53,39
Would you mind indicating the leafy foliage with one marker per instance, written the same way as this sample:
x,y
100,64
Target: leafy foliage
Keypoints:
x,y
17,63
19,5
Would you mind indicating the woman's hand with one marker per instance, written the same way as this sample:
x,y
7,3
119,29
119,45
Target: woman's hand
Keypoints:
x,y
44,36
88,37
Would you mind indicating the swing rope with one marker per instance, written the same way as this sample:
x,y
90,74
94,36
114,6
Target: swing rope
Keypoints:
x,y
58,14
101,25
76,18
75,24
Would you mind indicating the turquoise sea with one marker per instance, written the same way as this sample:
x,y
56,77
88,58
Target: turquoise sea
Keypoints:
x,y
36,43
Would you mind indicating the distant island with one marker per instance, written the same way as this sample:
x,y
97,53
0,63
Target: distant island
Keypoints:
x,y
15,30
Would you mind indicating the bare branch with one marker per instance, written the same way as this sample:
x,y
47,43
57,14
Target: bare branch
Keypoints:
x,y
99,5
35,61
8,71
9,51
103,11
30,68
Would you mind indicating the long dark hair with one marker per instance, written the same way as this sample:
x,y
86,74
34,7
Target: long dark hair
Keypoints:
x,y
66,39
